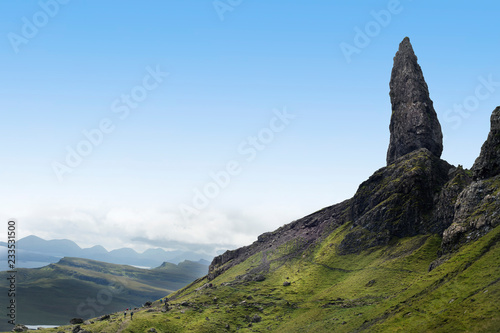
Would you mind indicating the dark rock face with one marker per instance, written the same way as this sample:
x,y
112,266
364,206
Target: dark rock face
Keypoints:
x,y
399,200
444,210
488,163
477,208
414,122
477,211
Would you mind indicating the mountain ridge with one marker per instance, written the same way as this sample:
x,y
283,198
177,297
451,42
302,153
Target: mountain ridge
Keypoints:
x,y
35,249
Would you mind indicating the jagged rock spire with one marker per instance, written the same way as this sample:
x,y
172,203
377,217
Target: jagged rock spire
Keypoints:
x,y
414,122
488,163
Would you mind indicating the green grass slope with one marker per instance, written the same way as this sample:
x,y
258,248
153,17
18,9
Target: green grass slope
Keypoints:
x,y
384,289
86,288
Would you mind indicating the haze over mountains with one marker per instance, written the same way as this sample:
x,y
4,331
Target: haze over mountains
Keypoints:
x,y
33,251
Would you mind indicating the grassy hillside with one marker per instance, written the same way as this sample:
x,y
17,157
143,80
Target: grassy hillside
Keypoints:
x,y
384,289
87,288
415,250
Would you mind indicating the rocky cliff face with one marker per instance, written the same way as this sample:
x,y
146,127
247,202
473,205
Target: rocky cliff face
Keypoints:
x,y
399,200
477,208
414,122
417,193
488,163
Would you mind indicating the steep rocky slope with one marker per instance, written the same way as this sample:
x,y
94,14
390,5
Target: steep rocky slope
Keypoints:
x,y
416,248
477,208
303,233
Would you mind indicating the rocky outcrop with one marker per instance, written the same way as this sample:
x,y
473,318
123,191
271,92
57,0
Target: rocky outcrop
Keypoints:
x,y
477,208
477,211
488,163
397,201
414,122
20,328
416,192
444,208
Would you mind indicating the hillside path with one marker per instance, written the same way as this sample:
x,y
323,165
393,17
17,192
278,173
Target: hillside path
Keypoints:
x,y
123,325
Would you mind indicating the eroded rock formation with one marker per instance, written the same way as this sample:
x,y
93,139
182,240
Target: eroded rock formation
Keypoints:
x,y
414,122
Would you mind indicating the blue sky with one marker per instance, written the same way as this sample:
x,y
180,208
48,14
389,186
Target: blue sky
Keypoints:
x,y
223,72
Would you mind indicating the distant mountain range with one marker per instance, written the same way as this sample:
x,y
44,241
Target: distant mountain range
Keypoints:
x,y
84,288
33,251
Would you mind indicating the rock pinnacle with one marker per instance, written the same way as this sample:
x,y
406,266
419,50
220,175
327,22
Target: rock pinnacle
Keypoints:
x,y
414,122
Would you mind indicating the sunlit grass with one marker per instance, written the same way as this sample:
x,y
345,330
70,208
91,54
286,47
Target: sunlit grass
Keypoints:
x,y
384,289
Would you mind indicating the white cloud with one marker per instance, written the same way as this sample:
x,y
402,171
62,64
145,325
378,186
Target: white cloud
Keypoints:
x,y
141,228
